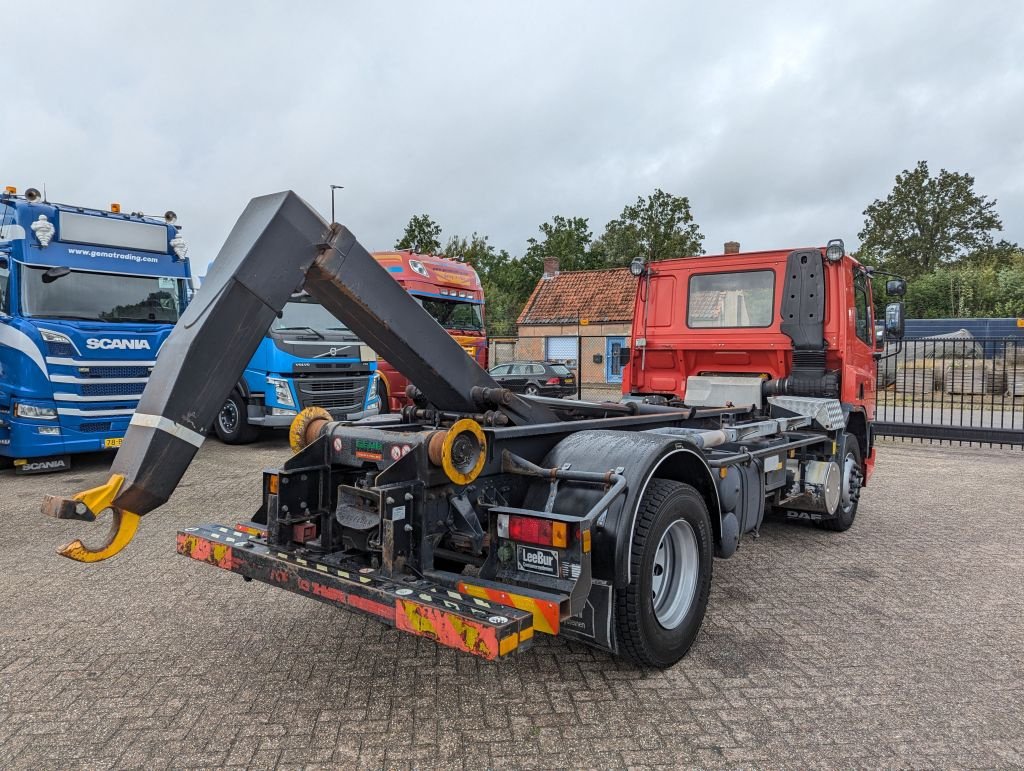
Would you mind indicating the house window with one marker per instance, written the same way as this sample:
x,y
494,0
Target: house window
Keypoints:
x,y
560,349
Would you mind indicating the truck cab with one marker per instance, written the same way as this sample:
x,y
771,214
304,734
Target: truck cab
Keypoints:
x,y
797,322
307,359
451,293
87,299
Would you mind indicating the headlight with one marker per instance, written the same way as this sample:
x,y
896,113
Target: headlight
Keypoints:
x,y
50,336
36,413
372,393
282,391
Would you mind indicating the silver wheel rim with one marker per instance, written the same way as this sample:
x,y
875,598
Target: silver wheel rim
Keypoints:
x,y
851,482
228,417
531,390
674,574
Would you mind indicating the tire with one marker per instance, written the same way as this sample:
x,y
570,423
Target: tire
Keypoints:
x,y
853,480
658,615
231,424
531,390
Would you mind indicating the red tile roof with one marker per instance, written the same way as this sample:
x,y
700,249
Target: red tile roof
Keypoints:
x,y
595,295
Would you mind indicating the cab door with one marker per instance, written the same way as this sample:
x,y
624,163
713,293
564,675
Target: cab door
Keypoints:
x,y
860,346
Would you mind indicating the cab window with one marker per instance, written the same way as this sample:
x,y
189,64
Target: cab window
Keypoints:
x,y
863,306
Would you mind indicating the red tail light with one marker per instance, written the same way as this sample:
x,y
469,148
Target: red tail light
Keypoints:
x,y
554,380
544,532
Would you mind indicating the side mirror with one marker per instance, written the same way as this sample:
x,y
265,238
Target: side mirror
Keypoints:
x,y
894,321
54,273
4,262
623,356
896,287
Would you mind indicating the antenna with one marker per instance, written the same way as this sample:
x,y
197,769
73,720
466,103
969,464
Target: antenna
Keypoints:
x,y
333,188
44,193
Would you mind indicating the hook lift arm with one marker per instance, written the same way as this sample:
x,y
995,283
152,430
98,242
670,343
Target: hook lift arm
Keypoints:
x,y
278,244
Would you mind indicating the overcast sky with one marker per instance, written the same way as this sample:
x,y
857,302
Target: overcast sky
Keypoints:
x,y
780,125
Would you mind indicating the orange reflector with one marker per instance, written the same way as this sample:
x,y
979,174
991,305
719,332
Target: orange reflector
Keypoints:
x,y
586,541
116,208
272,484
723,472
559,535
11,189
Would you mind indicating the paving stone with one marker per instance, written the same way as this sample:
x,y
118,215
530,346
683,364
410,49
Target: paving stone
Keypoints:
x,y
896,644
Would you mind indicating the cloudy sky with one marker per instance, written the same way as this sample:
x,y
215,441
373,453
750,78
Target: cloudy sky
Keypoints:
x,y
781,125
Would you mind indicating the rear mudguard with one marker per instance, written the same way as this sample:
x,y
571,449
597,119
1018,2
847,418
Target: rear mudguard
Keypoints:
x,y
642,456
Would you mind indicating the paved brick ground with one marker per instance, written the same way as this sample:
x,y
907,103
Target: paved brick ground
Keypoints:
x,y
898,643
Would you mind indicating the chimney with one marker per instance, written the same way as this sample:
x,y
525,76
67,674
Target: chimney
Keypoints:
x,y
732,247
550,267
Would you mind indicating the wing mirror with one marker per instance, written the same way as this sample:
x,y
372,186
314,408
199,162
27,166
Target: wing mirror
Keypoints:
x,y
896,287
894,321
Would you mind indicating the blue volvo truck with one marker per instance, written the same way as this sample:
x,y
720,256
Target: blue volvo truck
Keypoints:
x,y
307,359
87,298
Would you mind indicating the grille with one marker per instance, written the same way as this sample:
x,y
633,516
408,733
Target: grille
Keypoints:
x,y
321,386
112,389
94,428
345,394
118,372
60,349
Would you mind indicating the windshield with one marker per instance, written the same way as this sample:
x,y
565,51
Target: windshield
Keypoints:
x,y
88,296
741,299
307,314
451,314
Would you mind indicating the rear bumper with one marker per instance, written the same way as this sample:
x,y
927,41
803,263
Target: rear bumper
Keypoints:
x,y
417,606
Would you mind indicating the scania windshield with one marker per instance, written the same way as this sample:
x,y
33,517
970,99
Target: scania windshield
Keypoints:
x,y
307,315
454,315
56,293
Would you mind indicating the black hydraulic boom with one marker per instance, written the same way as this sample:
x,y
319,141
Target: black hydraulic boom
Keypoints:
x,y
278,245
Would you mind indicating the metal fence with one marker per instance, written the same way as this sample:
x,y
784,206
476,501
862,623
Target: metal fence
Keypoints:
x,y
957,390
963,391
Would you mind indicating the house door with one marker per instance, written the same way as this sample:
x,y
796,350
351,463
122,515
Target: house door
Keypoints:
x,y
612,366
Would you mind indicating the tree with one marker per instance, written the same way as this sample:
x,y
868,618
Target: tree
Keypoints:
x,y
567,238
422,235
499,276
657,228
928,221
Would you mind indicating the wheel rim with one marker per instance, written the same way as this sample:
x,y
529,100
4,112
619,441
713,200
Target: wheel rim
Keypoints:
x,y
674,574
228,417
531,390
851,482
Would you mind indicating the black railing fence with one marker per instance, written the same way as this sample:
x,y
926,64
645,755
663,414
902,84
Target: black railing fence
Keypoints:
x,y
961,390
949,390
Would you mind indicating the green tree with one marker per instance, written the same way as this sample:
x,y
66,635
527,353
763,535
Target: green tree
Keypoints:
x,y
422,235
656,228
499,276
928,221
567,238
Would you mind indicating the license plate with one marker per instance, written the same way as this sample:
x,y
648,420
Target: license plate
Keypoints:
x,y
116,442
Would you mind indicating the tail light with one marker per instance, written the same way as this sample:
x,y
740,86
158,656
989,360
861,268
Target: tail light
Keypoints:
x,y
554,381
543,532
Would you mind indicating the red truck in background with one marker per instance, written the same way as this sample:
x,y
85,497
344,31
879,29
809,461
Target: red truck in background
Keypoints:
x,y
799,321
451,293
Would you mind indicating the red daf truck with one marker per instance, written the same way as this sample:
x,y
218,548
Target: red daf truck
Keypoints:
x,y
480,518
730,330
450,292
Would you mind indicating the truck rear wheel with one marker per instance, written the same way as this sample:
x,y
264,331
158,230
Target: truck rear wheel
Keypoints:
x,y
232,425
660,612
852,481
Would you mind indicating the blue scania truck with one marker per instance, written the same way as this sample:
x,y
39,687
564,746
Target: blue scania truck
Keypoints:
x,y
306,359
87,298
